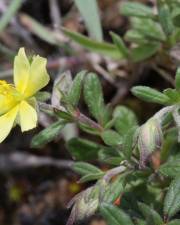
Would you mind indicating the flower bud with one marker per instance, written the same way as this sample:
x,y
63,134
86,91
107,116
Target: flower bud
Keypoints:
x,y
149,140
85,205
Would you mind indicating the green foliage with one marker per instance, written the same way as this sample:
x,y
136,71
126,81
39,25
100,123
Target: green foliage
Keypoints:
x,y
141,160
150,95
151,216
48,134
90,14
172,199
139,183
93,97
95,46
85,168
144,51
82,149
75,91
111,138
124,119
136,9
114,215
174,222
120,44
177,79
171,168
115,189
153,33
165,17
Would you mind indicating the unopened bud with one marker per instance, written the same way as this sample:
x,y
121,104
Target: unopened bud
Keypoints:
x,y
149,140
85,205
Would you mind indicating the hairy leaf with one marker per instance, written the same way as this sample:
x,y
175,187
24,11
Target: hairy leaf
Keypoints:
x,y
172,199
150,95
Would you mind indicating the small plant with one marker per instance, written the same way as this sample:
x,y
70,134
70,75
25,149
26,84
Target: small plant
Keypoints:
x,y
150,33
142,185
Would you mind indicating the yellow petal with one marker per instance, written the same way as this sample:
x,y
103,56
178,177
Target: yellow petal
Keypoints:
x,y
6,122
38,76
21,70
27,116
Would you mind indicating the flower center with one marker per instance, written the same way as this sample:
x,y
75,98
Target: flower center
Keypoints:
x,y
9,96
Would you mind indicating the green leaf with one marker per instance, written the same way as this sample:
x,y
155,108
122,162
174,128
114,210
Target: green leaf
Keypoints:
x,y
94,97
9,13
115,189
103,48
82,149
114,215
85,168
174,222
86,128
75,91
176,16
136,9
120,44
150,95
48,134
63,115
128,142
91,177
90,14
170,168
172,199
151,30
151,216
136,37
165,17
111,138
110,156
125,119
43,96
173,95
140,221
144,51
177,79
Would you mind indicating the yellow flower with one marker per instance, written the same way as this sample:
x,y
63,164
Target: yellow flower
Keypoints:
x,y
17,104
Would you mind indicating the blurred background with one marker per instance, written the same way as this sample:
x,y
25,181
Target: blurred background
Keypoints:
x,y
37,184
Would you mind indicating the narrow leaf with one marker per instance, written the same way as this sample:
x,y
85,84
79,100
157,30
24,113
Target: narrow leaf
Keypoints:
x,y
90,14
172,199
120,44
9,13
38,29
128,142
94,97
177,79
165,17
91,177
151,216
103,48
150,95
48,134
75,91
136,9
114,215
85,168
